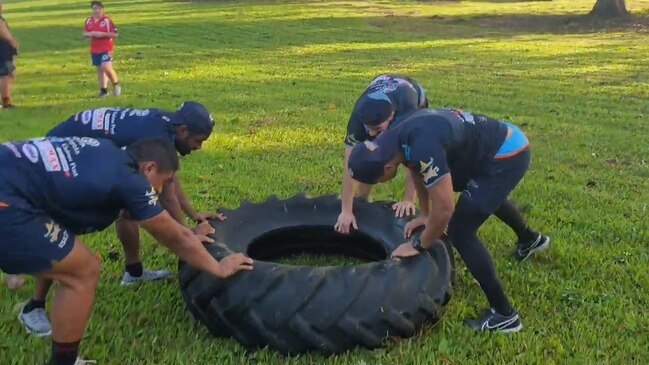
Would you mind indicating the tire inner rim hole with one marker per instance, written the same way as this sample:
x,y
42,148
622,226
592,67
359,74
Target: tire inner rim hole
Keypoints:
x,y
322,241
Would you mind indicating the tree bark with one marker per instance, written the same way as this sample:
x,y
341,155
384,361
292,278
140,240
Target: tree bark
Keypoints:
x,y
609,9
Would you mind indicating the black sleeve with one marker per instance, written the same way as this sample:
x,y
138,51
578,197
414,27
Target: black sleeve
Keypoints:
x,y
356,131
429,156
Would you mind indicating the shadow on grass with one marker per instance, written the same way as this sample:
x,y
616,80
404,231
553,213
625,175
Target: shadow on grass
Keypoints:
x,y
509,25
272,33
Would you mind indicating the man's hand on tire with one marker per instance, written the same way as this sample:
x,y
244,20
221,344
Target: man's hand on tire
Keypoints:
x,y
203,228
234,263
413,225
405,250
204,217
403,209
345,220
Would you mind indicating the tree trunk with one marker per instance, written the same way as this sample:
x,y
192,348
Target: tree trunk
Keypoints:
x,y
609,9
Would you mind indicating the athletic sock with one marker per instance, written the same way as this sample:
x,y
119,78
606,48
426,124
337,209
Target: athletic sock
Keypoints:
x,y
528,235
33,304
64,353
511,216
135,269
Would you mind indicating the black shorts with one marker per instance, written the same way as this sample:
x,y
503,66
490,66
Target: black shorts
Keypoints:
x,y
7,67
29,239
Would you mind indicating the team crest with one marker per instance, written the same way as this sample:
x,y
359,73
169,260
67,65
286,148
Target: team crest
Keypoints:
x,y
427,170
371,146
53,231
153,197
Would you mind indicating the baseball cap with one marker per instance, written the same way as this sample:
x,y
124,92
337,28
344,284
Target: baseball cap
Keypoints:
x,y
374,108
195,116
368,159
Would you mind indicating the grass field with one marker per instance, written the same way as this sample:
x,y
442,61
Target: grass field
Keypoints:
x,y
281,78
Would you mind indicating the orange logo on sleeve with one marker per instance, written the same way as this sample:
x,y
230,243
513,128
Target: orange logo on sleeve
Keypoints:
x,y
4,205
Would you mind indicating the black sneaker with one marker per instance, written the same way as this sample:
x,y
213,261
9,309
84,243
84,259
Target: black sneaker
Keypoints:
x,y
103,94
490,320
526,249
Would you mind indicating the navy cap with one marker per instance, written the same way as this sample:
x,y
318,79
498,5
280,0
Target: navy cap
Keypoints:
x,y
196,117
368,159
374,108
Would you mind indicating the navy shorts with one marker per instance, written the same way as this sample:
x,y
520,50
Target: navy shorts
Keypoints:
x,y
6,68
99,58
486,192
29,240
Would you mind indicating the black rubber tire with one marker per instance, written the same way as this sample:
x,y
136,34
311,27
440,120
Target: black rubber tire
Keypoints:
x,y
295,309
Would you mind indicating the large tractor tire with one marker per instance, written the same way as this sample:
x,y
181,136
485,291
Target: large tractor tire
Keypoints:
x,y
295,309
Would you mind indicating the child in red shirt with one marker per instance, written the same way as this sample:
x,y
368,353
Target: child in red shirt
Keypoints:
x,y
101,31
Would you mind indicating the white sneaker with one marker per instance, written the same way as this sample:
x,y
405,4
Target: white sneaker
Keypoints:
x,y
36,322
117,90
81,361
147,275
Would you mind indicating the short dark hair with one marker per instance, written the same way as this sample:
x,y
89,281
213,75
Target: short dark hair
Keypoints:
x,y
97,3
162,152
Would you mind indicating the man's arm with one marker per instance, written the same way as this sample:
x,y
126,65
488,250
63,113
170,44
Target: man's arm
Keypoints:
x,y
346,217
347,192
104,35
183,202
410,190
441,210
186,207
421,190
170,201
6,35
182,241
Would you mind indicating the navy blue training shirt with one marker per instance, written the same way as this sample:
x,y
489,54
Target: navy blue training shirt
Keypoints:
x,y
122,126
441,141
405,94
82,183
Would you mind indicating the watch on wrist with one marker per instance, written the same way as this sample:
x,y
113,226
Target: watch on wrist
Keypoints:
x,y
416,244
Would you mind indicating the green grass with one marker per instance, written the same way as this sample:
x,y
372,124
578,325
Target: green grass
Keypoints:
x,y
281,78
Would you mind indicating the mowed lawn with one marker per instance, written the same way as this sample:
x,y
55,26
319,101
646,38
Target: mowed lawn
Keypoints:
x,y
281,78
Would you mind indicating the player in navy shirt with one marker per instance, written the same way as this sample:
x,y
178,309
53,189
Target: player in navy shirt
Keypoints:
x,y
54,189
448,148
386,102
187,128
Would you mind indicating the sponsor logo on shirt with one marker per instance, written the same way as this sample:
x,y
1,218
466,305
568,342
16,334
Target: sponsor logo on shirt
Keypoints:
x,y
64,162
139,112
49,155
98,117
428,171
30,152
371,146
13,149
4,205
89,142
86,117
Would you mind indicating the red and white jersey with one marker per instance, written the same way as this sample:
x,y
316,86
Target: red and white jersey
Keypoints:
x,y
103,24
